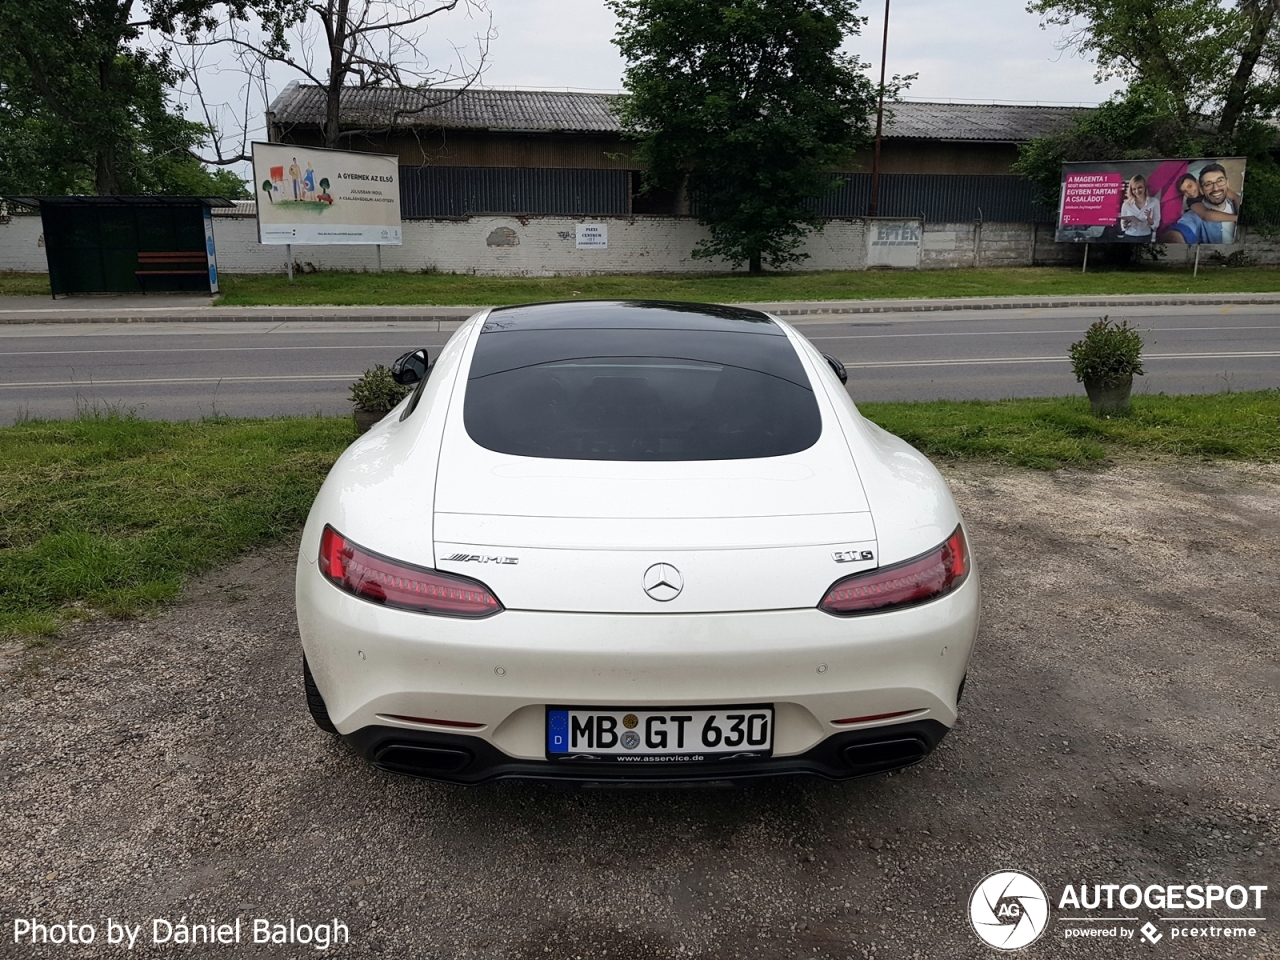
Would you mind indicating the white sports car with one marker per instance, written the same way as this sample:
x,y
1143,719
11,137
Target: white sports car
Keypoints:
x,y
633,541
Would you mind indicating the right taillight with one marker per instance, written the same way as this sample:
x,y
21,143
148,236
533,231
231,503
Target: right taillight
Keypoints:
x,y
395,584
918,580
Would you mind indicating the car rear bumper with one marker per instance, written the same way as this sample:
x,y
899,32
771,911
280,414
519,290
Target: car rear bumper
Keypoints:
x,y
491,680
462,759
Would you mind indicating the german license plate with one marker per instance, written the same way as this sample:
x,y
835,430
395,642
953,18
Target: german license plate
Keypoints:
x,y
659,736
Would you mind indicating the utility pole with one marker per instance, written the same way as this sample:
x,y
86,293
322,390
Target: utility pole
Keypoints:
x,y
873,208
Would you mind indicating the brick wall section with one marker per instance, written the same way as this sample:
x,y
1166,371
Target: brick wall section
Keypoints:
x,y
545,246
1001,245
22,245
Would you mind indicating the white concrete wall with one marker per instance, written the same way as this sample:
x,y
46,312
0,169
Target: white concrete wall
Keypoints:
x,y
22,245
524,246
545,246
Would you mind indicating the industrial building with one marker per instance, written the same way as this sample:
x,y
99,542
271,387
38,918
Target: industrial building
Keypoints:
x,y
531,152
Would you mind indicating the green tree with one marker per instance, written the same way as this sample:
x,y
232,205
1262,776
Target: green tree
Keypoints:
x,y
1200,80
81,108
748,104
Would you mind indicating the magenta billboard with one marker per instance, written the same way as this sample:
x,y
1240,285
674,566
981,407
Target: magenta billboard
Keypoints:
x,y
1151,201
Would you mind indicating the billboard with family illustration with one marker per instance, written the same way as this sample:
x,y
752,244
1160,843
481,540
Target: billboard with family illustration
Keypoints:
x,y
1151,201
312,195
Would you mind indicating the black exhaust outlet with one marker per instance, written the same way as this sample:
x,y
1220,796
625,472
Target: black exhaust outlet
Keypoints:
x,y
882,755
421,761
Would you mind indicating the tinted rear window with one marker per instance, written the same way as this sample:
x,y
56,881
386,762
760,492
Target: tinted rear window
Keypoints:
x,y
639,394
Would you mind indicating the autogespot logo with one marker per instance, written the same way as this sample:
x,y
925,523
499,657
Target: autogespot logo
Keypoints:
x,y
1009,910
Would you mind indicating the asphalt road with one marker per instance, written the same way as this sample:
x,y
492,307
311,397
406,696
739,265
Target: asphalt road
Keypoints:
x,y
185,370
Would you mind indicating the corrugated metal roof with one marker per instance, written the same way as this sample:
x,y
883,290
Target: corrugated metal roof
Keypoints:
x,y
548,111
541,111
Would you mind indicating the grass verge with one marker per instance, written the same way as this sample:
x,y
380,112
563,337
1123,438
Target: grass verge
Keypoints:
x,y
1060,431
440,289
444,289
110,515
23,284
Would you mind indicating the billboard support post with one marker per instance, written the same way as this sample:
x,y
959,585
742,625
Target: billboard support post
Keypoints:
x,y
288,256
1085,266
379,246
1195,271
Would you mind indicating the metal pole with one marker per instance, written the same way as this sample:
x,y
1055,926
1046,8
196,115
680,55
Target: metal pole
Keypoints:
x,y
873,209
1196,270
288,255
1085,267
379,246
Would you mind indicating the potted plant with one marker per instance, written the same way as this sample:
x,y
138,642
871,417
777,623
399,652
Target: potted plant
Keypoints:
x,y
1106,361
374,394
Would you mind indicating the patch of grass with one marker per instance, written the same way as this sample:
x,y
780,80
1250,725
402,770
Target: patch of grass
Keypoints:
x,y
445,289
13,284
111,514
1060,431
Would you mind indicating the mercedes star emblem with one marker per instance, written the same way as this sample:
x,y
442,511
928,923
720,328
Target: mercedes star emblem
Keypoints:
x,y
663,582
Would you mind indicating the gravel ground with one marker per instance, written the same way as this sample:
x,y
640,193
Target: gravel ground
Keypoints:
x,y
1119,725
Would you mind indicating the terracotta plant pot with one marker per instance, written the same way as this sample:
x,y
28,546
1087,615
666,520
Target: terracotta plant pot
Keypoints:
x,y
367,418
1107,400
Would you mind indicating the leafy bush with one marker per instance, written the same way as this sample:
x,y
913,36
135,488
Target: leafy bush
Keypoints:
x,y
1109,354
376,392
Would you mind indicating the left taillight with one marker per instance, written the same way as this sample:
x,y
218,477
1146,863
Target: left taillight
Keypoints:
x,y
392,583
905,584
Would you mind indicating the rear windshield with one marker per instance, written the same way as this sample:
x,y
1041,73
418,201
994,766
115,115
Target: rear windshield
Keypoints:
x,y
582,394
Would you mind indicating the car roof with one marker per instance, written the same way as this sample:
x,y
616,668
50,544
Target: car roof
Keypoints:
x,y
630,315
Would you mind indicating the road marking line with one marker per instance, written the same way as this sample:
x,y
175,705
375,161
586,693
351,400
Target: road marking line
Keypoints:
x,y
324,378
977,361
300,347
162,380
1019,333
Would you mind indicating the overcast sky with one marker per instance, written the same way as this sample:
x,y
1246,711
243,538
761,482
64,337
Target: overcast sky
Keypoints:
x,y
983,50
962,49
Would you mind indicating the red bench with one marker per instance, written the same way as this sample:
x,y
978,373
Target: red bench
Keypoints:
x,y
174,263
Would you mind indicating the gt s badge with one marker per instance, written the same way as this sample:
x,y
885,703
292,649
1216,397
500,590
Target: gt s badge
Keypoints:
x,y
477,558
852,556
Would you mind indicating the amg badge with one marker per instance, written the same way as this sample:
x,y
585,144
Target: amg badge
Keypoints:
x,y
477,558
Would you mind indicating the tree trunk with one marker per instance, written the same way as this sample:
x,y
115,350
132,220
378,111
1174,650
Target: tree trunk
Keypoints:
x,y
1263,15
105,178
754,267
336,33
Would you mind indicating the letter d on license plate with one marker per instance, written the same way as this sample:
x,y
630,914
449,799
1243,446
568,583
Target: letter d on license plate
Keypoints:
x,y
656,736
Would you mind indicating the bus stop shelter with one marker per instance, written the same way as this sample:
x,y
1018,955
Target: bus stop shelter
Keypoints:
x,y
128,244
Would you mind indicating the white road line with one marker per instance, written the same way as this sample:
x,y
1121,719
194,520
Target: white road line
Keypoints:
x,y
347,346
324,378
979,361
1020,333
162,380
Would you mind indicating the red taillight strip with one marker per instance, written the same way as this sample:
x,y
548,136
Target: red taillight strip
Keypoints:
x,y
463,724
875,716
922,578
392,583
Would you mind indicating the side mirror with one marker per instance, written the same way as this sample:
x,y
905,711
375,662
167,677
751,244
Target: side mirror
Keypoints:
x,y
411,367
838,367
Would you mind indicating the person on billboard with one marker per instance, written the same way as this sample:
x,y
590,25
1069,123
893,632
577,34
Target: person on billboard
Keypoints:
x,y
295,174
1217,198
309,183
1210,208
1140,212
